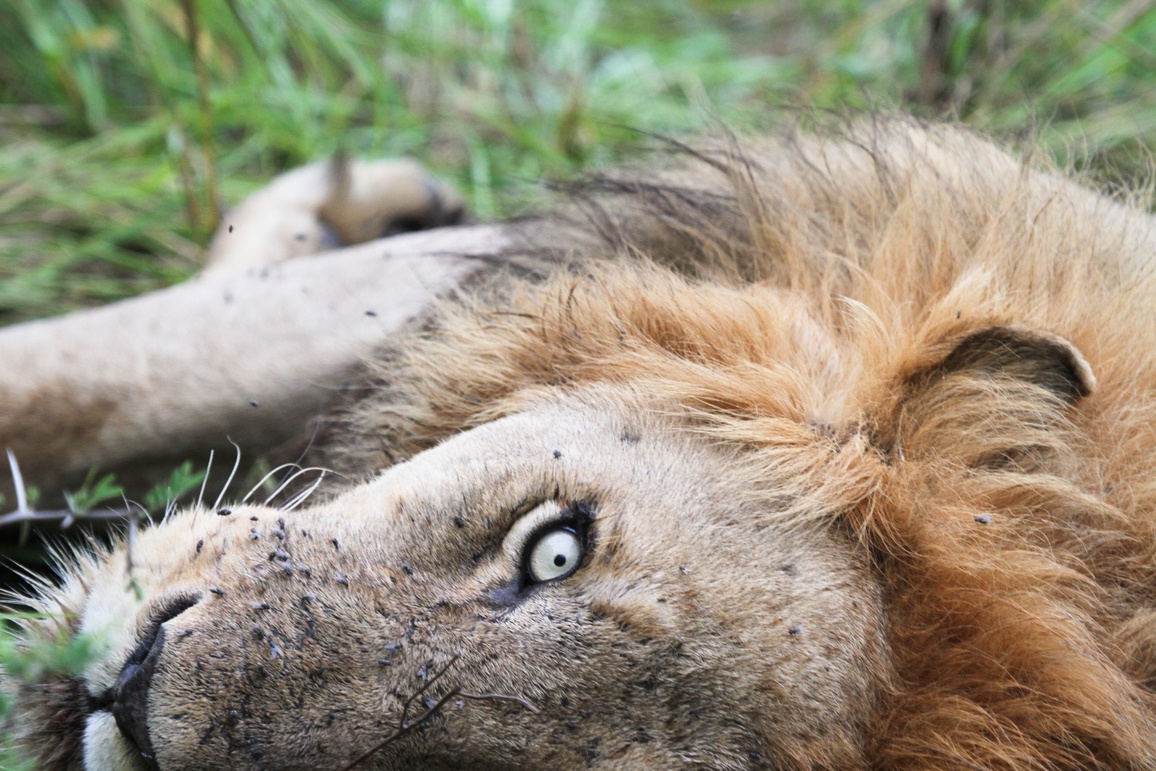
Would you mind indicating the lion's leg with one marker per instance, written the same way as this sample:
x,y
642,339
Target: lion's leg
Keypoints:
x,y
165,375
247,357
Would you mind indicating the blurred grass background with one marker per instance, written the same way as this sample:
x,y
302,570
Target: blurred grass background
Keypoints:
x,y
125,126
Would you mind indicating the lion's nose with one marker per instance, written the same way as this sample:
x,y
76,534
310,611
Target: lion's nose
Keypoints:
x,y
130,695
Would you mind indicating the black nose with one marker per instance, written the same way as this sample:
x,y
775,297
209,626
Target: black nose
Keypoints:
x,y
130,695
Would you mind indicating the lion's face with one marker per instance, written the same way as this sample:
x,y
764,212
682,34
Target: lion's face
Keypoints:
x,y
598,579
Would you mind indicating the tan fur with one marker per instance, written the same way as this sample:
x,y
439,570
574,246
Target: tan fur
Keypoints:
x,y
865,428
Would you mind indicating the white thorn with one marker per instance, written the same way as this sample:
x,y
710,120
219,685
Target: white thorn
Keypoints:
x,y
18,483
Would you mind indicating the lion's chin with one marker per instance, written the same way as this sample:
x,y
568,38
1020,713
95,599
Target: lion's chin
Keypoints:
x,y
104,747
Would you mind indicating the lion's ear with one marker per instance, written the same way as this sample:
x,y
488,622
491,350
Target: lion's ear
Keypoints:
x,y
1016,354
995,397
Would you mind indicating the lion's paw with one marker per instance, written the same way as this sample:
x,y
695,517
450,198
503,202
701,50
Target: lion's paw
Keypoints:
x,y
329,205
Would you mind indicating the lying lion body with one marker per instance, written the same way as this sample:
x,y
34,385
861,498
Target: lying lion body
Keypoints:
x,y
846,447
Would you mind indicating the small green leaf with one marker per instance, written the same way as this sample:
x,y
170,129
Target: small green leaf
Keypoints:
x,y
183,480
90,495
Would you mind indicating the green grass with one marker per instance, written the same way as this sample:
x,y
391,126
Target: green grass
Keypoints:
x,y
118,143
37,661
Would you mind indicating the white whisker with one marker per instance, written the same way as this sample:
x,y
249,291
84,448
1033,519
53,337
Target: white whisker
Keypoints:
x,y
300,498
201,494
229,481
170,509
284,484
205,481
265,479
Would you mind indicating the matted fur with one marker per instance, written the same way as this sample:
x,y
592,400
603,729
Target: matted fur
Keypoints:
x,y
897,345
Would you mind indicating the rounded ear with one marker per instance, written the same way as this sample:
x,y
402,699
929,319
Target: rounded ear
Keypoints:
x,y
1047,361
993,399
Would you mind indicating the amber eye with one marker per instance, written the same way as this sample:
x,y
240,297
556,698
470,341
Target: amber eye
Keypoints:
x,y
554,554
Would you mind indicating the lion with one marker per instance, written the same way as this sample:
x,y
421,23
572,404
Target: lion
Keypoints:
x,y
826,451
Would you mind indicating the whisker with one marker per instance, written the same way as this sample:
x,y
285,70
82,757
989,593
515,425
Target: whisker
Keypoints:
x,y
229,481
284,484
205,481
170,510
201,494
265,479
300,498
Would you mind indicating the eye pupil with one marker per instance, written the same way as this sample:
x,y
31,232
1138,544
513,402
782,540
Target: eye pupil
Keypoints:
x,y
560,560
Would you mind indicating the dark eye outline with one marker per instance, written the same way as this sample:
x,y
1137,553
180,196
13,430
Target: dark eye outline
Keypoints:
x,y
575,518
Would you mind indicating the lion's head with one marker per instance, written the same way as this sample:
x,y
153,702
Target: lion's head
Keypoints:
x,y
583,562
870,509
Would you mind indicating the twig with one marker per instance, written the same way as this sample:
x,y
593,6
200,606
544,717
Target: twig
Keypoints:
x,y
456,692
130,541
24,514
63,516
404,727
18,482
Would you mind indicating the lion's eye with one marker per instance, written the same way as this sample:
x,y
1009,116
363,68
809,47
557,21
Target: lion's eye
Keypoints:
x,y
554,554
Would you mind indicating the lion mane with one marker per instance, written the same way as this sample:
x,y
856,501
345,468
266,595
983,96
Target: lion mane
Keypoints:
x,y
897,333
